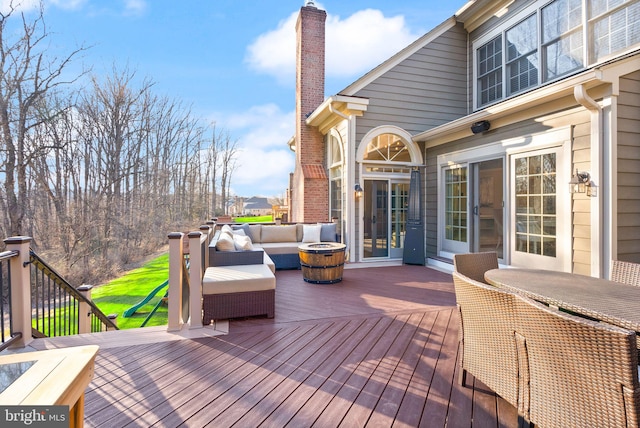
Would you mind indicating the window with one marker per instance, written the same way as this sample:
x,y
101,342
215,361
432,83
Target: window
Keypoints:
x,y
562,38
522,56
551,41
615,24
490,71
535,194
387,148
335,185
456,204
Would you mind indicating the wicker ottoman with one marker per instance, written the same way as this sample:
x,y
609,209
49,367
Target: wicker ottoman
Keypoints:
x,y
238,291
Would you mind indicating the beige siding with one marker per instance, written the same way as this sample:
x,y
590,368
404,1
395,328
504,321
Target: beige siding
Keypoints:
x,y
425,90
628,215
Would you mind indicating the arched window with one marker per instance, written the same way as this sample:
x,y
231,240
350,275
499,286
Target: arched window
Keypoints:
x,y
336,188
336,152
387,148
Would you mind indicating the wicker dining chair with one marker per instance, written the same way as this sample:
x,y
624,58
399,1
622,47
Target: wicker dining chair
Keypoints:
x,y
474,265
580,372
625,272
487,341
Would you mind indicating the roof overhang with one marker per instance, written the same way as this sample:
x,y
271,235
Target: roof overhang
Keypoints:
x,y
476,12
336,109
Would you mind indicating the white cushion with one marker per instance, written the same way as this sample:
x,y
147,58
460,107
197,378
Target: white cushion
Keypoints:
x,y
242,242
225,243
226,228
278,233
239,232
238,278
311,233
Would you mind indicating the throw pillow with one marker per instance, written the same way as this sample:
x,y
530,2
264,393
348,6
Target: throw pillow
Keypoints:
x,y
311,233
328,232
242,242
278,233
225,243
226,228
243,227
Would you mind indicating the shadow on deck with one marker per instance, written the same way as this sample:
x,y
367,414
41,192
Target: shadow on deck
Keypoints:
x,y
377,349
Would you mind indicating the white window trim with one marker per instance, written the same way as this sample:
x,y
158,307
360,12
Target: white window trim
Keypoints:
x,y
482,40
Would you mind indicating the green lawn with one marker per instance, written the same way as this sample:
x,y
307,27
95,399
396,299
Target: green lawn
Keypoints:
x,y
120,294
254,219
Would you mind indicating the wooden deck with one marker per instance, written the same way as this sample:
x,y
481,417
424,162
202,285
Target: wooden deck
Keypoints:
x,y
378,349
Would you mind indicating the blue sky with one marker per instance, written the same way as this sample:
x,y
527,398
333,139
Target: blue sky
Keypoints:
x,y
233,61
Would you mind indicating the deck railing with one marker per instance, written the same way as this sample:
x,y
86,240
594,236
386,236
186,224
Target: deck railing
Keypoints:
x,y
185,279
7,334
38,302
59,309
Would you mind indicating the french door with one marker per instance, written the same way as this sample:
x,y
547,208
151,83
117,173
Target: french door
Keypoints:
x,y
385,216
540,217
474,207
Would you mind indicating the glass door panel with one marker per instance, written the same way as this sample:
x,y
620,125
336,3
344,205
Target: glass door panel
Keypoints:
x,y
488,206
455,210
539,223
399,206
376,222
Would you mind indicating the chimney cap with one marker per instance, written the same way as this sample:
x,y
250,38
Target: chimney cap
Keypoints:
x,y
310,4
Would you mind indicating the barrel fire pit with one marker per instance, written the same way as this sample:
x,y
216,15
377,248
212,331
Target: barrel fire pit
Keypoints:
x,y
322,262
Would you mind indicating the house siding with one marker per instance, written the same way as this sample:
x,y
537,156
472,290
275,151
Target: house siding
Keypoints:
x,y
628,159
425,90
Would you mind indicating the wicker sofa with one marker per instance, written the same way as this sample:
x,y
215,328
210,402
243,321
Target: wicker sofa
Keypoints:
x,y
280,242
238,284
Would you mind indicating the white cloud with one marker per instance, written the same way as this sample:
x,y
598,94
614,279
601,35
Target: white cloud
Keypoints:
x,y
262,173
134,7
69,4
354,45
7,6
264,126
264,160
274,52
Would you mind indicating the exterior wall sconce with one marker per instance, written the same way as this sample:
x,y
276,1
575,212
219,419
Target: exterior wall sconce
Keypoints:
x,y
358,191
581,183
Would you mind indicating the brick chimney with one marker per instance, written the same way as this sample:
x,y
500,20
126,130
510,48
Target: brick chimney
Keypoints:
x,y
310,190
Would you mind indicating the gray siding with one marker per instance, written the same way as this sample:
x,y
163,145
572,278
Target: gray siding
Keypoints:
x,y
426,90
628,215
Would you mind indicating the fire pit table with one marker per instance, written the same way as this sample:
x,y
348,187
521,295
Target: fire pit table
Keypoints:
x,y
322,262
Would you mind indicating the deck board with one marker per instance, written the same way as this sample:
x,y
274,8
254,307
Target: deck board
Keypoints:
x,y
378,349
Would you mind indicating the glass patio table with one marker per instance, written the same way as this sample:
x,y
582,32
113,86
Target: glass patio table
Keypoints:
x,y
597,298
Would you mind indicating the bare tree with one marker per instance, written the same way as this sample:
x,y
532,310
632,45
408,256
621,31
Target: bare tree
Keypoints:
x,y
229,149
27,75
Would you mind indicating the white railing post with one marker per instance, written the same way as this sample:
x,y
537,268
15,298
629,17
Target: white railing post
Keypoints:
x,y
20,289
84,310
206,230
176,258
196,272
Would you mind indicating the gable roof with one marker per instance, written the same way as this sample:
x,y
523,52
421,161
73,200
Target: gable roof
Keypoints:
x,y
257,203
